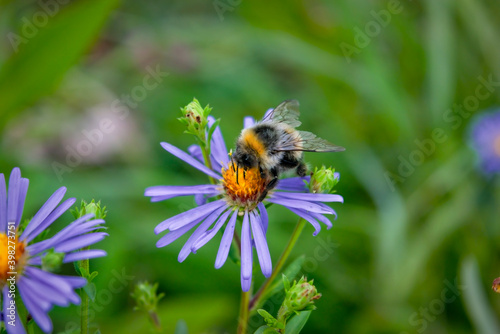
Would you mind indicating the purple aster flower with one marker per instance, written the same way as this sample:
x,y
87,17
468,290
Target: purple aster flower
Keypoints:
x,y
21,259
486,141
230,199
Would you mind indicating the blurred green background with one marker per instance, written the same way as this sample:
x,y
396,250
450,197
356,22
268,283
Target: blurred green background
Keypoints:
x,y
416,245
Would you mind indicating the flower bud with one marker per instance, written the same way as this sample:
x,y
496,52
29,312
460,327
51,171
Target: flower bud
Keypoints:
x,y
96,209
146,297
301,295
195,119
323,180
52,261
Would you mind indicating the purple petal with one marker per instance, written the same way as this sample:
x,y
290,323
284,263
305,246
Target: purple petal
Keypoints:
x,y
79,242
246,284
3,204
311,197
208,235
186,249
83,255
38,309
23,190
174,191
43,292
63,284
304,205
44,211
266,264
186,217
293,184
263,216
200,199
79,226
195,151
76,228
49,220
323,219
171,236
189,159
309,218
226,241
248,122
246,249
76,283
217,145
13,195
18,325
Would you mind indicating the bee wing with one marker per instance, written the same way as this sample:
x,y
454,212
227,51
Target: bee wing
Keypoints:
x,y
286,112
309,142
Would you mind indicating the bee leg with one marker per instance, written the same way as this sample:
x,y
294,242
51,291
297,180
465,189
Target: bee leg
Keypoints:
x,y
301,169
245,173
269,186
237,173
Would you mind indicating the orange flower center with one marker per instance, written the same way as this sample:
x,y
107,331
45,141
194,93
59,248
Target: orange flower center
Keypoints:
x,y
243,187
12,257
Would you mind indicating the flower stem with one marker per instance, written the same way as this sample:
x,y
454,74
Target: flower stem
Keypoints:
x,y
155,320
205,150
277,269
85,265
244,312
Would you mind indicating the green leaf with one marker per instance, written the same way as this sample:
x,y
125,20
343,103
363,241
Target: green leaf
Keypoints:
x,y
475,298
91,277
297,322
265,330
91,290
40,64
286,282
181,327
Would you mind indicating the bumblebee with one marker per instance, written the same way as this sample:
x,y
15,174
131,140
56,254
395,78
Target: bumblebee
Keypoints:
x,y
274,145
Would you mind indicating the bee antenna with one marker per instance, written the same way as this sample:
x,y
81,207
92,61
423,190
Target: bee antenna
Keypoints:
x,y
245,173
237,173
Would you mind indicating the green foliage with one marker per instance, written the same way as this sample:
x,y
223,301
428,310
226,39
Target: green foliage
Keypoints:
x,y
194,117
299,297
323,180
94,208
40,63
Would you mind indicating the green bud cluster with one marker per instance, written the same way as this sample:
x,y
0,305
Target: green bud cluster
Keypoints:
x,y
52,261
146,297
323,180
195,119
99,211
298,297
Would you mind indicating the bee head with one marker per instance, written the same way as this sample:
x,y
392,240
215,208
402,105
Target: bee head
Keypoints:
x,y
243,158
